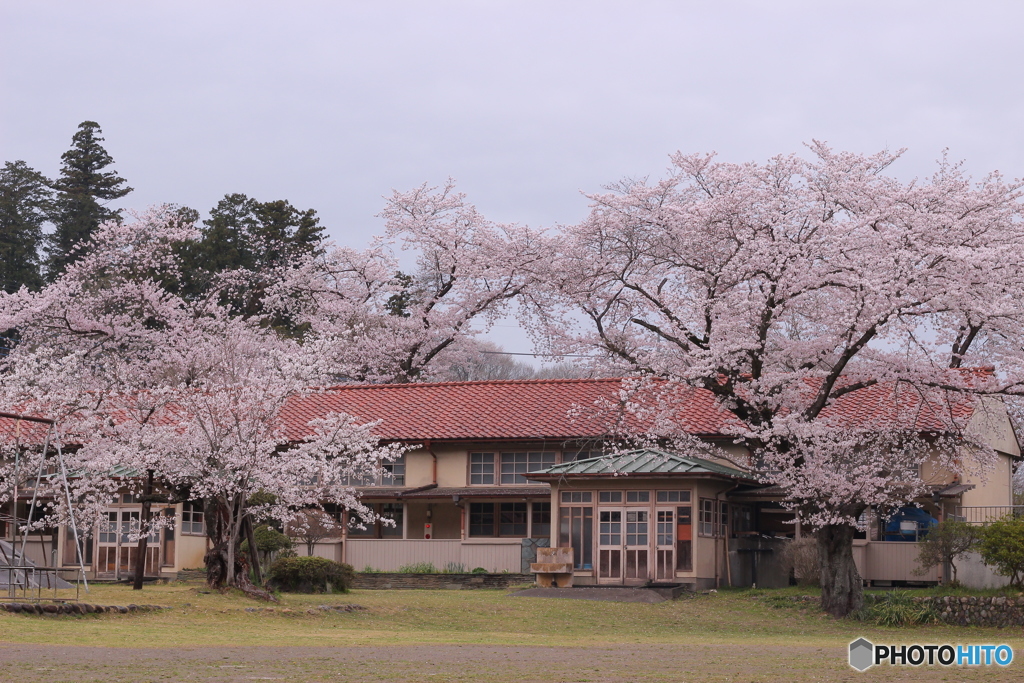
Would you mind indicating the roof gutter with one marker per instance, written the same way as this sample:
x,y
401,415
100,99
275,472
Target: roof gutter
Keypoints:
x,y
28,418
418,489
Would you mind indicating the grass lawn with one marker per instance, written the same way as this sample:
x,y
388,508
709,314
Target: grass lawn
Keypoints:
x,y
472,635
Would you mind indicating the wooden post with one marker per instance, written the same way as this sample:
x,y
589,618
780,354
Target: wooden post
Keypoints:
x,y
147,504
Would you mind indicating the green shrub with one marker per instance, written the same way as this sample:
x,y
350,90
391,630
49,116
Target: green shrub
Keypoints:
x,y
1002,548
309,575
372,570
268,541
950,540
478,570
897,608
418,568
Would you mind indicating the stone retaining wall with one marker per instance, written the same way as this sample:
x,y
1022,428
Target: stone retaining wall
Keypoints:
x,y
389,580
977,611
75,608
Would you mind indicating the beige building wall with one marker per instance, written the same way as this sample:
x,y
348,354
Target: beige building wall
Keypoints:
x,y
996,488
445,517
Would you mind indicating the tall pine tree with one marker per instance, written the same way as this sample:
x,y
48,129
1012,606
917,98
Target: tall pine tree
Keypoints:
x,y
83,191
25,202
250,237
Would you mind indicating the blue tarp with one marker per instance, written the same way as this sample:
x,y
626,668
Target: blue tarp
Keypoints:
x,y
909,513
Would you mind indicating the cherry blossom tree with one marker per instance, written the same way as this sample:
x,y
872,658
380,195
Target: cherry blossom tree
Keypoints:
x,y
783,287
141,382
390,326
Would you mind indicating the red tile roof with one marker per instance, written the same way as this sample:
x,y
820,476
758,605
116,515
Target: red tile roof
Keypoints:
x,y
565,409
523,409
21,431
888,404
556,409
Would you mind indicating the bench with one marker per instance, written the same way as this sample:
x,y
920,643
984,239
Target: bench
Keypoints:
x,y
553,567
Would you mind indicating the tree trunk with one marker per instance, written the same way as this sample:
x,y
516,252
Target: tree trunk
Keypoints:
x,y
226,565
842,590
140,557
254,556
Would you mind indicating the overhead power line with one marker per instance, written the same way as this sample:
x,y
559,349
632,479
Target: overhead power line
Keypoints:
x,y
547,355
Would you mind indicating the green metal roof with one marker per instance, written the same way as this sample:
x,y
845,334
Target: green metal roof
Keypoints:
x,y
639,462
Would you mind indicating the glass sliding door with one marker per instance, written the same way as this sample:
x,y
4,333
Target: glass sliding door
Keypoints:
x,y
609,546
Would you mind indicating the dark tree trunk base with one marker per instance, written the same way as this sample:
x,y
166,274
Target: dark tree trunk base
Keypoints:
x,y
216,560
842,589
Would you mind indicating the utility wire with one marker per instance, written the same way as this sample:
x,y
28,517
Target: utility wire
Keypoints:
x,y
552,355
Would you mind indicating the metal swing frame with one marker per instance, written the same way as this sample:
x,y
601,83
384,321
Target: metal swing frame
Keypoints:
x,y
24,570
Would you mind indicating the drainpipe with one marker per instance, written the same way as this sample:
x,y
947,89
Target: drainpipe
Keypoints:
x,y
426,445
728,569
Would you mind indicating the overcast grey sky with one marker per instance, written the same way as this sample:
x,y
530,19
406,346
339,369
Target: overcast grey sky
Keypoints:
x,y
525,104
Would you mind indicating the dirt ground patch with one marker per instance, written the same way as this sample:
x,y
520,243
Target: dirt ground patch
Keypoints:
x,y
467,663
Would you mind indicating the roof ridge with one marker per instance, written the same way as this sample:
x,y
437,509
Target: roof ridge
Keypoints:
x,y
481,382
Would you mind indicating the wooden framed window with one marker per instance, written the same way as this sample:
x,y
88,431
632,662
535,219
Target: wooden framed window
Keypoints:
x,y
673,496
481,468
684,539
512,519
393,473
392,511
576,496
481,519
573,456
500,519
576,531
515,465
638,496
540,524
609,497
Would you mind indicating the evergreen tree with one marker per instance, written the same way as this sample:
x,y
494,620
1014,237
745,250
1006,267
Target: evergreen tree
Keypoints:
x,y
83,191
251,238
25,201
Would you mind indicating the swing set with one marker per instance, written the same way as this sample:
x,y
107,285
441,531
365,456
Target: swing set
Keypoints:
x,y
23,579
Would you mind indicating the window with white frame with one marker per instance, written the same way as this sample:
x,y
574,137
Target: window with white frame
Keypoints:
x,y
515,465
108,527
673,496
708,519
192,519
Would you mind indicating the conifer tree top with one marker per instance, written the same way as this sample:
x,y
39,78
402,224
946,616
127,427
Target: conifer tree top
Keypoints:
x,y
82,166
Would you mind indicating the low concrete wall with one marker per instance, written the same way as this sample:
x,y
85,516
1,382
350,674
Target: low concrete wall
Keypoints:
x,y
974,573
389,580
978,611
